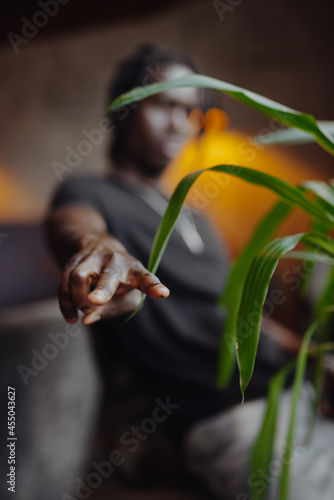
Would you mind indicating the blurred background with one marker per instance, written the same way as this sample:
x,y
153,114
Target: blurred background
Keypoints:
x,y
56,58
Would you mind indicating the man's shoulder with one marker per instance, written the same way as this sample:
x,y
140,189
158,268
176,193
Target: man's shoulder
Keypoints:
x,y
86,188
91,184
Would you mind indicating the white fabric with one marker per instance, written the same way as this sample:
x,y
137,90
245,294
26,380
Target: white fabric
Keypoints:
x,y
218,450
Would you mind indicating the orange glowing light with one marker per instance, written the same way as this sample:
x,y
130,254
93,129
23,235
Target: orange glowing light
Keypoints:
x,y
16,203
233,205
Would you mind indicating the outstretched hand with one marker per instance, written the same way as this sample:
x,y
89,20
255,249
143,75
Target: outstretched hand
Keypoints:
x,y
103,281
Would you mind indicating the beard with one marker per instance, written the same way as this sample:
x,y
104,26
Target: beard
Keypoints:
x,y
149,165
150,168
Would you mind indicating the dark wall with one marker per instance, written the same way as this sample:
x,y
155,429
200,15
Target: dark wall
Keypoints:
x,y
54,86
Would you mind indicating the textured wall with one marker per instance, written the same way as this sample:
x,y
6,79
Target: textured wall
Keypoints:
x,y
53,88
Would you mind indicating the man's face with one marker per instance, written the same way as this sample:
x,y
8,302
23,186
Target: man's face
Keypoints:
x,y
160,123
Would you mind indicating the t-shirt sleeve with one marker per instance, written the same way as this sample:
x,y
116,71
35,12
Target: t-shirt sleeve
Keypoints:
x,y
78,190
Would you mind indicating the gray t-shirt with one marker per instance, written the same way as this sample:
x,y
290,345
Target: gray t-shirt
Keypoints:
x,y
175,341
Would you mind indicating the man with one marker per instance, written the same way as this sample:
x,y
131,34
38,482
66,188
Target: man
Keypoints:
x,y
102,229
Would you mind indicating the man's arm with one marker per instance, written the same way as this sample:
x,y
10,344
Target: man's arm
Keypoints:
x,y
100,278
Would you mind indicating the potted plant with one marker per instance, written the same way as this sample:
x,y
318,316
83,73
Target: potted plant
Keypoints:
x,y
249,278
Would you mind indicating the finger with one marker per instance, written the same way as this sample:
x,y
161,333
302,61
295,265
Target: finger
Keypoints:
x,y
114,308
147,283
67,306
93,316
105,288
81,279
109,280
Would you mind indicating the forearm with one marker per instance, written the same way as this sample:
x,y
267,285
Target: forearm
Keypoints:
x,y
71,227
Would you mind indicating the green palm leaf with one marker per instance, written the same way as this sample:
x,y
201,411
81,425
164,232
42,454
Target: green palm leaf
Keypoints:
x,y
231,298
299,378
290,194
292,136
254,294
263,449
282,114
324,192
232,295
